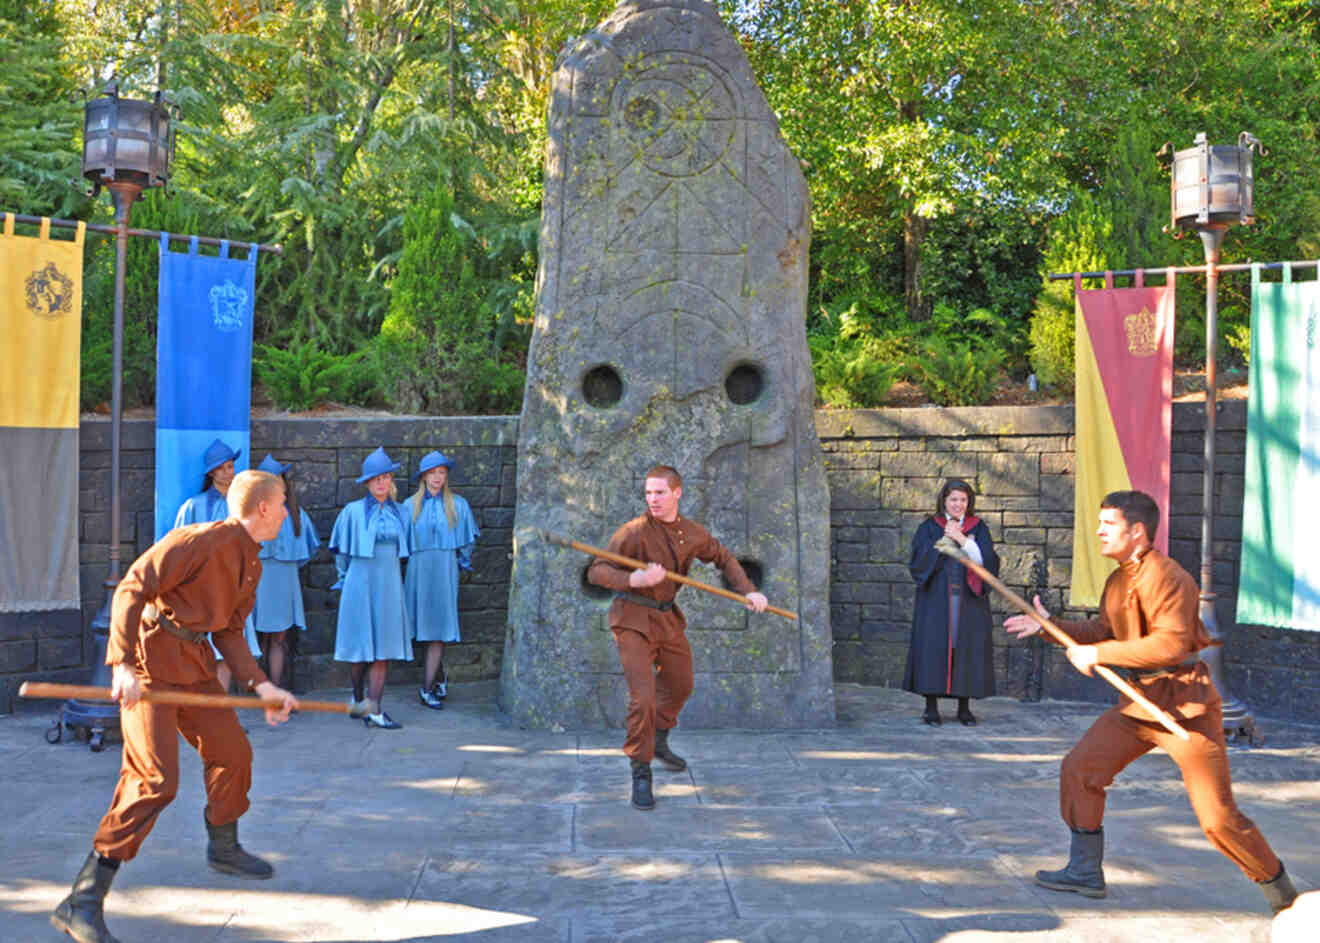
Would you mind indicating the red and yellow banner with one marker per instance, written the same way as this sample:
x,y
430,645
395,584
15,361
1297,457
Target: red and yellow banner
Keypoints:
x,y
1124,414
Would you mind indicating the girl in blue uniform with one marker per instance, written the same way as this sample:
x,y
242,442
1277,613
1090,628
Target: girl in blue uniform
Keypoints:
x,y
441,538
209,505
279,594
369,539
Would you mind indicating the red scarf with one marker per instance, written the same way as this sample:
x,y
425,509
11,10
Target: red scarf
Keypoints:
x,y
969,523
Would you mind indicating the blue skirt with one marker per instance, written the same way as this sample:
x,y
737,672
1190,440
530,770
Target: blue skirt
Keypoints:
x,y
430,591
279,598
373,625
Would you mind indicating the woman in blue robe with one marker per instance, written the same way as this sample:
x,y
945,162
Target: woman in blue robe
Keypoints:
x,y
369,539
442,533
279,604
209,505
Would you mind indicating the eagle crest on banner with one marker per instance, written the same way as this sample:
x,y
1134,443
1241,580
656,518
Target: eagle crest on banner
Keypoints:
x,y
49,292
1140,329
228,302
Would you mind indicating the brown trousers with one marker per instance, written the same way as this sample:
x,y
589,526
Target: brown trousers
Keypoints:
x,y
1116,739
149,775
654,697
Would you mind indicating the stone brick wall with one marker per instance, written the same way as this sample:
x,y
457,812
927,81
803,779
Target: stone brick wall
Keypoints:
x,y
884,466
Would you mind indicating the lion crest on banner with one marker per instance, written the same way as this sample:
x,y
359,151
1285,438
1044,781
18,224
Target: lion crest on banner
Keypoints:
x,y
228,304
1141,335
49,292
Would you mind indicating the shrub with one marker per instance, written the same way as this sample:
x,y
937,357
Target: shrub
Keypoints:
x,y
854,368
959,373
303,375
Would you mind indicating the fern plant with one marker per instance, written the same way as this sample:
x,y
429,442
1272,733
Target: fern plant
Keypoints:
x,y
955,373
303,375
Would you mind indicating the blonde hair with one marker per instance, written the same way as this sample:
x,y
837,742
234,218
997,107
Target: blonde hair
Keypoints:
x,y
249,488
420,497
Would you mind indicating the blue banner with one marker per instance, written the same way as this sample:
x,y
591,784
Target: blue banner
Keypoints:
x,y
203,367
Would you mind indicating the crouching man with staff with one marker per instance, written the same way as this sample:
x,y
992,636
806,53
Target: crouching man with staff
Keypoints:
x,y
197,579
1148,624
649,628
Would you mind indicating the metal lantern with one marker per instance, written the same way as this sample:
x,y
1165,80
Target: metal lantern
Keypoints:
x,y
127,141
1213,185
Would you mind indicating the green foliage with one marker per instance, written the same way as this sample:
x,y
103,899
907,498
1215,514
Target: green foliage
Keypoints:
x,y
855,368
302,375
958,372
438,348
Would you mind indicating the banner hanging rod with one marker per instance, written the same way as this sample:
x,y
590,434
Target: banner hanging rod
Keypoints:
x,y
1183,269
275,248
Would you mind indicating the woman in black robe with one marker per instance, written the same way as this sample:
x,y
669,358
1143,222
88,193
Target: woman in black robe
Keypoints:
x,y
951,653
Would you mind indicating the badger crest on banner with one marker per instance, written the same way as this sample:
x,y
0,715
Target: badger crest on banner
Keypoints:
x,y
1141,334
228,303
49,292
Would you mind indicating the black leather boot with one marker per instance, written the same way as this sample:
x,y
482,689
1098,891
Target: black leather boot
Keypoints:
x,y
1083,873
80,914
667,757
226,855
641,793
1279,891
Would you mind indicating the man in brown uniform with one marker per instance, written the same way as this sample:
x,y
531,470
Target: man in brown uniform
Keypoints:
x,y
648,626
1148,624
197,579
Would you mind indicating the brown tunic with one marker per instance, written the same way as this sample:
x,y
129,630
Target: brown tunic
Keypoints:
x,y
204,577
1148,620
674,546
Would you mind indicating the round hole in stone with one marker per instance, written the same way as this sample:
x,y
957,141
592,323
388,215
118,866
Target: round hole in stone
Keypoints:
x,y
602,387
744,383
755,572
593,591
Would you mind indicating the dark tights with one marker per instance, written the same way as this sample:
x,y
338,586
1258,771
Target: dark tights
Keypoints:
x,y
375,680
933,707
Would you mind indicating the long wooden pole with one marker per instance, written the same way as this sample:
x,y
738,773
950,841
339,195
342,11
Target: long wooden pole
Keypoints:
x,y
83,692
639,565
949,548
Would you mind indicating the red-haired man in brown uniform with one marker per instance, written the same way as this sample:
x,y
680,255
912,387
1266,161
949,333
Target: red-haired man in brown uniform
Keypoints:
x,y
1148,624
649,628
197,579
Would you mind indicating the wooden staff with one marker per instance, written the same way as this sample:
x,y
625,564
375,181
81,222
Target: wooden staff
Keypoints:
x,y
946,546
676,577
42,689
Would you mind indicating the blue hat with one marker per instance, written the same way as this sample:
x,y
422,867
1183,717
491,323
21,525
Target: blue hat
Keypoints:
x,y
217,453
268,464
433,460
377,463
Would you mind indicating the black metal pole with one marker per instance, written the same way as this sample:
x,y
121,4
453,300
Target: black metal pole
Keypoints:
x,y
1236,716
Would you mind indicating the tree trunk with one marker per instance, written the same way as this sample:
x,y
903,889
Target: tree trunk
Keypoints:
x,y
914,231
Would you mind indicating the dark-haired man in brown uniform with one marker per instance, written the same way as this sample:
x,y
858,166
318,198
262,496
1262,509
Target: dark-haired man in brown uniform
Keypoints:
x,y
649,628
1148,624
197,579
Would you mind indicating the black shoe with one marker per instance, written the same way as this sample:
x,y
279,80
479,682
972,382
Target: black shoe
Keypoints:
x,y
931,717
1279,891
382,720
667,757
226,855
80,914
641,786
966,718
1083,873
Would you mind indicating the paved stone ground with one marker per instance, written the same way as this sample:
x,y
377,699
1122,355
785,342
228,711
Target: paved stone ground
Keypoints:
x,y
460,828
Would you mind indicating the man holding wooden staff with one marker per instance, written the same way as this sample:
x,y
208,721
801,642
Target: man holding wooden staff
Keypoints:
x,y
649,627
197,579
1148,624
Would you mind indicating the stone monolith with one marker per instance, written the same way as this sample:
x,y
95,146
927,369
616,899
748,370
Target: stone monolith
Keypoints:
x,y
670,328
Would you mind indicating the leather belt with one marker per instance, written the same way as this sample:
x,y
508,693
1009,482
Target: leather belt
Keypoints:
x,y
169,625
645,601
1145,674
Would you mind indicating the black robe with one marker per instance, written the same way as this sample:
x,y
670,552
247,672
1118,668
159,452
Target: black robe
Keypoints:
x,y
973,663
